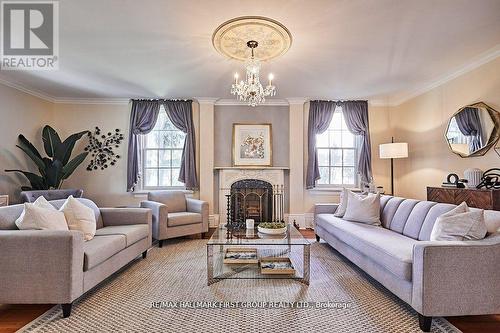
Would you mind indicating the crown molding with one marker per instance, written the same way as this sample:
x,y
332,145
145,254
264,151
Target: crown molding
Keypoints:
x,y
206,100
476,62
297,100
28,91
378,102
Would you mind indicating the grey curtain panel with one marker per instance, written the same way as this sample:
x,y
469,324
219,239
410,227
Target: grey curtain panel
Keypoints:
x,y
356,118
181,115
469,123
320,116
142,120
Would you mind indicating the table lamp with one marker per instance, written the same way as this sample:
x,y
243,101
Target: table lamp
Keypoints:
x,y
393,150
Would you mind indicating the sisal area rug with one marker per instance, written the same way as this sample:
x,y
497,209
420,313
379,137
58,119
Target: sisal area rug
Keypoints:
x,y
176,276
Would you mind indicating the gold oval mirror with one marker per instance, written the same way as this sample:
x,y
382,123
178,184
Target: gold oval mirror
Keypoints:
x,y
473,130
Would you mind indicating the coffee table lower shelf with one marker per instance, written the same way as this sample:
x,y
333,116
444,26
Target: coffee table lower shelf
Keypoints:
x,y
217,270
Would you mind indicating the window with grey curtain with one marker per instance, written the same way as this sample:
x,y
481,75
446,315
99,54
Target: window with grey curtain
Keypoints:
x,y
143,117
320,116
180,114
470,125
356,118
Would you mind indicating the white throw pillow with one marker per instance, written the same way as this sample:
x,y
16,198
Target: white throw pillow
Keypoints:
x,y
364,209
342,204
460,224
41,215
79,217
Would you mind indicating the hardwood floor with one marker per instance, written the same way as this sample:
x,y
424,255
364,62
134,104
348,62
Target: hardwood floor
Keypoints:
x,y
13,317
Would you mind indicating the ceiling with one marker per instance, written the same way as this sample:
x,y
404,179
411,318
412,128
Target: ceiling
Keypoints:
x,y
342,49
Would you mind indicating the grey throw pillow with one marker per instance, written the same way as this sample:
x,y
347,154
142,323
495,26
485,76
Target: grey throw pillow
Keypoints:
x,y
363,209
460,224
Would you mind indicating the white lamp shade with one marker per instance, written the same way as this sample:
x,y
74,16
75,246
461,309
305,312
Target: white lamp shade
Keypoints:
x,y
394,150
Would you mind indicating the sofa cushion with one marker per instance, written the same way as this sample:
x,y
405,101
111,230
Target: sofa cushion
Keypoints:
x,y
387,248
364,209
37,216
100,248
431,217
459,224
79,217
133,233
174,200
89,203
183,218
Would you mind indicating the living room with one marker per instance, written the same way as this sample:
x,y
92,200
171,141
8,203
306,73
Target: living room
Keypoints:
x,y
233,166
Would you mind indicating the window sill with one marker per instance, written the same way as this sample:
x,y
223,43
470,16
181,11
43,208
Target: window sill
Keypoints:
x,y
332,190
144,192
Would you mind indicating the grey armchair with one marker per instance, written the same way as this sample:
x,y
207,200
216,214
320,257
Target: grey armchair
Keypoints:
x,y
31,196
174,215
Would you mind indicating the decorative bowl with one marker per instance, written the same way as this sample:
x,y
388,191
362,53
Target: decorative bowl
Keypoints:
x,y
271,231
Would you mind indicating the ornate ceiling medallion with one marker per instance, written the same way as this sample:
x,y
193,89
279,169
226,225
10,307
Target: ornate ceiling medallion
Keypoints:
x,y
231,37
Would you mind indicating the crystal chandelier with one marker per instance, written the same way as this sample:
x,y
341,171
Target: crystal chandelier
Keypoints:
x,y
251,90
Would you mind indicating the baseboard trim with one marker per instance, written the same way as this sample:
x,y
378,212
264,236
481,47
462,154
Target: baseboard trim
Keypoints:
x,y
304,221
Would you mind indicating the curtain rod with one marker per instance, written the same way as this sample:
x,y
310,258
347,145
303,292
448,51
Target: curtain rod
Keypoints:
x,y
339,101
161,99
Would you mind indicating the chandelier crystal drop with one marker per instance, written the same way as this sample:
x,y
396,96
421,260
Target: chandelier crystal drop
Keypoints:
x,y
251,90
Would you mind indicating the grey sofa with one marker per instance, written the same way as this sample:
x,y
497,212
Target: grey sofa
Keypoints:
x,y
57,267
174,215
436,278
31,196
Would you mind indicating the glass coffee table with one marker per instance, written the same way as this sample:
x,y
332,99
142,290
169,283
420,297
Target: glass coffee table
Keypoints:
x,y
249,254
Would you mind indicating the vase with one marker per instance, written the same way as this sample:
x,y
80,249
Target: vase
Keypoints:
x,y
473,176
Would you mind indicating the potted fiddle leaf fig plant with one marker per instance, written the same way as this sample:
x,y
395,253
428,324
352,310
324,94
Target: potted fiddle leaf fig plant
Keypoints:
x,y
55,168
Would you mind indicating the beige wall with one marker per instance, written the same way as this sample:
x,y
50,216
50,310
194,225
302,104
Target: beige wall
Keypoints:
x,y
20,113
422,121
106,187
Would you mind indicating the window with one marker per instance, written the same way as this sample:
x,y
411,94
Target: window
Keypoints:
x,y
337,154
161,154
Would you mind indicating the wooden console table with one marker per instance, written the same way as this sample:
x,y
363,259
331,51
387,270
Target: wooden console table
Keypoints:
x,y
479,198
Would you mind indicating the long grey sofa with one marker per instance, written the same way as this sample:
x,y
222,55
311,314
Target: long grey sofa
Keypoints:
x,y
57,267
436,278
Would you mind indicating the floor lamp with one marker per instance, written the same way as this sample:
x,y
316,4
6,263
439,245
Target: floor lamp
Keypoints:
x,y
393,150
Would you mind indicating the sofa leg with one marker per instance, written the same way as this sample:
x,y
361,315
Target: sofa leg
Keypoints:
x,y
160,243
203,235
66,309
317,238
424,322
144,254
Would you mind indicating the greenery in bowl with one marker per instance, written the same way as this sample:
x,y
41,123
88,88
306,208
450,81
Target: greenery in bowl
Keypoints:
x,y
272,225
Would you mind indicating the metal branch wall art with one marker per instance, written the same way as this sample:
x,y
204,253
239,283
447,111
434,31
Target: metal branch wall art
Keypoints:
x,y
101,147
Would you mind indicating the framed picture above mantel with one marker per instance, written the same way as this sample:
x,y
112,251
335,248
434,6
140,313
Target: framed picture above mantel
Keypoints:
x,y
252,145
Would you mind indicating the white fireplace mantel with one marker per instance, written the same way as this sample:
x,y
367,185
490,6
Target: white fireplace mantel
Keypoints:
x,y
229,175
